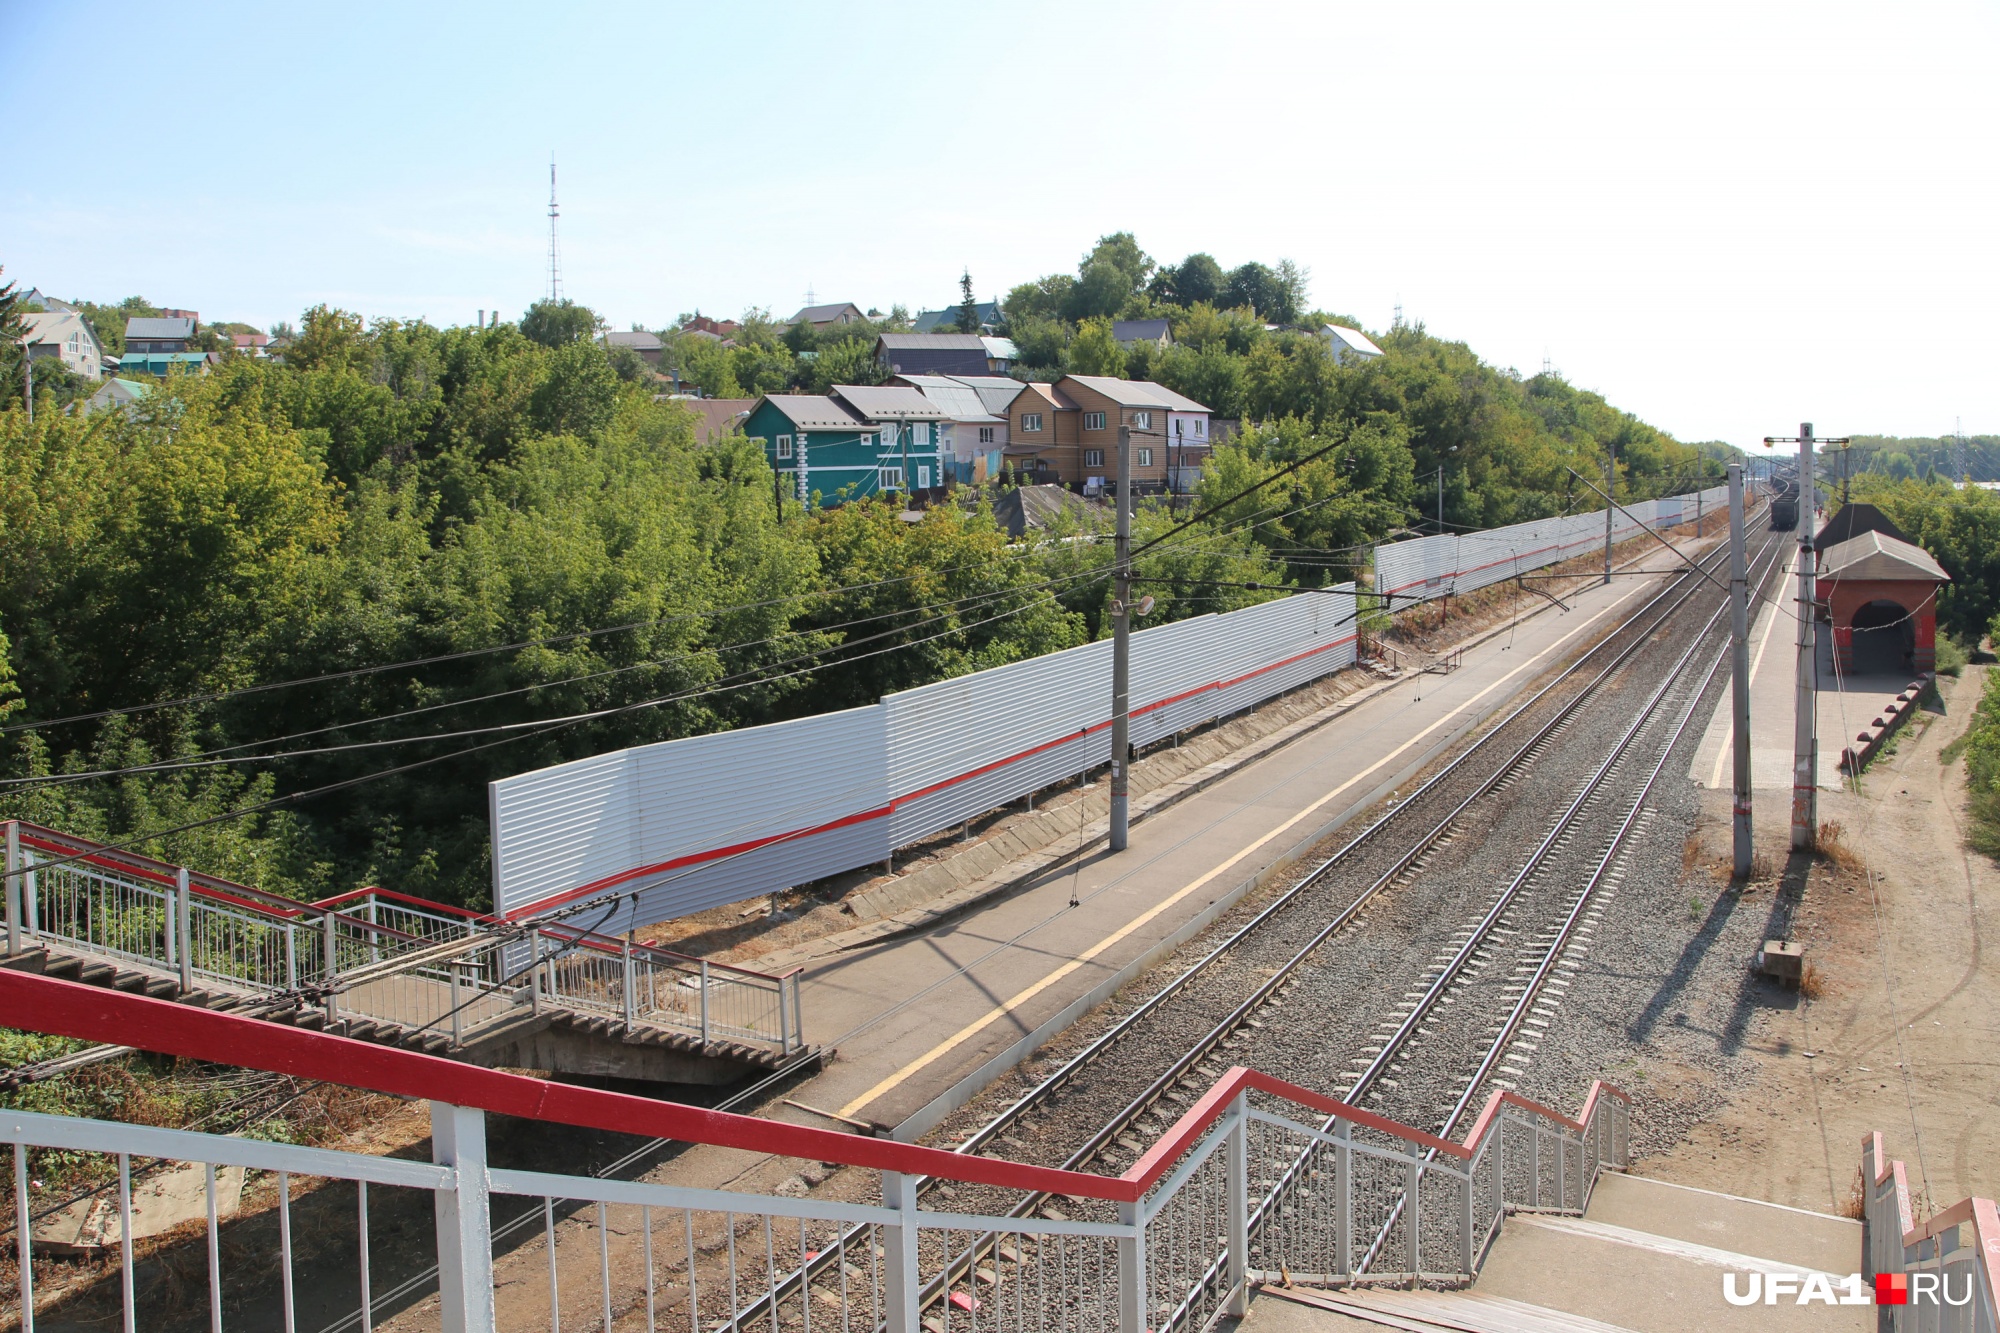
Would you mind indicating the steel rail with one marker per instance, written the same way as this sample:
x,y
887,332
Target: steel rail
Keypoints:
x,y
1682,587
1552,953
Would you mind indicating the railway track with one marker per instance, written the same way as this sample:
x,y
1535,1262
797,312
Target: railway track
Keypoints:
x,y
1165,1048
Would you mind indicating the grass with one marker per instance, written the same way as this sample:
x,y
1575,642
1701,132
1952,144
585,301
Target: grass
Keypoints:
x,y
1809,982
1952,656
1832,847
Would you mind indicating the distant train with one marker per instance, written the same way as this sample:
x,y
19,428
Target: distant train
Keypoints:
x,y
1784,502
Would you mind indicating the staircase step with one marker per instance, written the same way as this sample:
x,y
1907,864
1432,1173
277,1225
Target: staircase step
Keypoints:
x,y
1460,1311
1772,1231
1648,1282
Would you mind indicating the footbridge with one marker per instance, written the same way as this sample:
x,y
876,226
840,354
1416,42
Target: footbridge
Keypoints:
x,y
391,969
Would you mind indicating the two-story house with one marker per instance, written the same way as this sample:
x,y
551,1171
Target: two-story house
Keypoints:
x,y
829,316
1067,432
857,441
63,335
167,333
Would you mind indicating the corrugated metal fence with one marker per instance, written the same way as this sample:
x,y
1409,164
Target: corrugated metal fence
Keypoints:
x,y
694,823
1460,563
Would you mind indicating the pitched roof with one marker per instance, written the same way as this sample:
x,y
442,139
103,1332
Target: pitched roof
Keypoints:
x,y
959,402
813,411
1138,393
1876,555
1049,394
1000,349
637,339
825,314
717,417
956,342
997,392
168,326
1852,520
1139,330
54,326
879,402
988,312
1033,506
1354,338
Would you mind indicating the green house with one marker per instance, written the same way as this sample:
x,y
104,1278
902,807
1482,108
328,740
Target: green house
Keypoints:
x,y
857,441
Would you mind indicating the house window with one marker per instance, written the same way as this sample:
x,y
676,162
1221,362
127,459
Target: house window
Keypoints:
x,y
923,476
1145,458
1093,458
1031,421
986,434
1143,420
1093,421
784,446
891,479
921,435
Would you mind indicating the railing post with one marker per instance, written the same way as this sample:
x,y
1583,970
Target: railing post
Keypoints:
x,y
1238,1186
14,878
1467,1212
291,957
1343,1200
332,947
457,1013
625,962
1535,1163
1412,1214
535,970
798,1008
902,1288
464,1220
704,1009
784,1020
1132,1268
184,929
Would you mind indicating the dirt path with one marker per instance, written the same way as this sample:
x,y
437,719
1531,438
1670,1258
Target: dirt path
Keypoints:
x,y
1905,936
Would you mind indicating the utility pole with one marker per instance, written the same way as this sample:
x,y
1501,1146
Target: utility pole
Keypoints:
x,y
28,371
1610,504
1739,668
1440,497
1805,720
1121,648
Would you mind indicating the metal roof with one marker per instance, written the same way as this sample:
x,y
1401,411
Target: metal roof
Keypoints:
x,y
1354,338
927,321
956,342
1139,330
1138,393
959,402
826,314
1877,555
170,326
878,402
997,392
1000,349
813,411
638,340
54,326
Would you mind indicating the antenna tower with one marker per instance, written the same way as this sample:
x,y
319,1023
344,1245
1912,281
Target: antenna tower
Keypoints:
x,y
1959,459
555,255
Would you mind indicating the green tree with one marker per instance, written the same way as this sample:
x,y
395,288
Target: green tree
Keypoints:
x,y
1095,351
848,362
559,323
968,304
1257,287
578,391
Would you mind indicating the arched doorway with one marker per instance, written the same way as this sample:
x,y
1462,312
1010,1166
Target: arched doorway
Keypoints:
x,y
1885,639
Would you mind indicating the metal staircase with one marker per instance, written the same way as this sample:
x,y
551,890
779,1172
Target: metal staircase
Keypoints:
x,y
379,966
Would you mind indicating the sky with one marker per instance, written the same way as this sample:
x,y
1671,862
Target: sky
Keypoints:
x,y
1727,219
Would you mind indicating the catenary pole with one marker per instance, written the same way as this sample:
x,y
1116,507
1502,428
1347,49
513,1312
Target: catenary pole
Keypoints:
x,y
1805,722
1121,649
1610,504
1739,669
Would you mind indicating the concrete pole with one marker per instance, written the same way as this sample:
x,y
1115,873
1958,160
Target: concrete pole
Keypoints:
x,y
1610,509
1440,497
1739,667
1121,649
1805,722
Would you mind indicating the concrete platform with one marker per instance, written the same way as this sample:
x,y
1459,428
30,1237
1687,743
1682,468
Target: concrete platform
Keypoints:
x,y
1723,1221
1846,704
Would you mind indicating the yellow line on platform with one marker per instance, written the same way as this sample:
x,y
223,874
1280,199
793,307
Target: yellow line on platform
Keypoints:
x,y
1727,749
1015,1001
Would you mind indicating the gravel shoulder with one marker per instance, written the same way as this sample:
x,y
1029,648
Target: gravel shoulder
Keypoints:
x,y
1901,1037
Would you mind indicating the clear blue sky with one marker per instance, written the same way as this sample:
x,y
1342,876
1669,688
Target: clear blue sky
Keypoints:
x,y
1726,218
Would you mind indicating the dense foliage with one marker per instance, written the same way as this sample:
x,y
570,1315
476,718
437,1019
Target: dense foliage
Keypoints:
x,y
527,518
1920,459
1961,530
